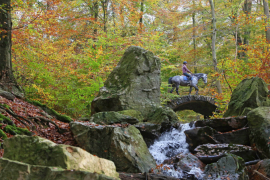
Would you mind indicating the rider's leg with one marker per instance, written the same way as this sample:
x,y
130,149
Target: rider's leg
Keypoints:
x,y
188,75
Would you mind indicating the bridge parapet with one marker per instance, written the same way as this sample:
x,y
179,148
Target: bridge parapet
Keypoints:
x,y
204,105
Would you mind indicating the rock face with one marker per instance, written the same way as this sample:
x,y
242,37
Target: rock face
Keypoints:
x,y
162,115
38,151
185,162
229,167
133,84
124,146
112,117
209,153
259,124
248,95
199,136
149,131
240,136
7,95
223,124
10,170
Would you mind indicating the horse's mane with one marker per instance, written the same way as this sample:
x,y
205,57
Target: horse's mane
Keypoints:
x,y
198,75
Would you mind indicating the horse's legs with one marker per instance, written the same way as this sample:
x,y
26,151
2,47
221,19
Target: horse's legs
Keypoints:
x,y
177,87
197,89
190,89
172,90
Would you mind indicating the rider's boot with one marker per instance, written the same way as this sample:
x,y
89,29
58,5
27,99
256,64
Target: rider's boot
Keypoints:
x,y
177,92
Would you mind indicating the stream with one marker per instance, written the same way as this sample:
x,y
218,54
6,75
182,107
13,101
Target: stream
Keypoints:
x,y
168,145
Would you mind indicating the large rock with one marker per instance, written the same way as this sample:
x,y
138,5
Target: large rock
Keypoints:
x,y
39,151
150,132
259,124
11,170
240,136
229,167
224,124
148,176
163,116
112,117
199,136
124,146
209,153
248,95
133,84
185,162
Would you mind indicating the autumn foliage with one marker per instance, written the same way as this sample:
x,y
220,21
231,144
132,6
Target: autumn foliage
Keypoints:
x,y
63,51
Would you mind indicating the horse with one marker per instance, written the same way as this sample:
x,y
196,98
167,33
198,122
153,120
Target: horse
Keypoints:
x,y
183,81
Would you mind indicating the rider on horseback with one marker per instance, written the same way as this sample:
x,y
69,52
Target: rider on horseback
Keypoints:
x,y
186,70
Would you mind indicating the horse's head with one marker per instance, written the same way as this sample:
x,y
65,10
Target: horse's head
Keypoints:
x,y
204,77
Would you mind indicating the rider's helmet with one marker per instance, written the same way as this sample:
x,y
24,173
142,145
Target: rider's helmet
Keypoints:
x,y
185,62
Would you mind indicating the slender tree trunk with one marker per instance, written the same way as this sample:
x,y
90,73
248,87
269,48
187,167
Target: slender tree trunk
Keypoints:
x,y
141,18
105,12
194,39
214,44
267,27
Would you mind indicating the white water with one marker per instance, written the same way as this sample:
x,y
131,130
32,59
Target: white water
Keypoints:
x,y
170,144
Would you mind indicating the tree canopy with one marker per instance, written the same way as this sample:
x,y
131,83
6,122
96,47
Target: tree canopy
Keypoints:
x,y
63,51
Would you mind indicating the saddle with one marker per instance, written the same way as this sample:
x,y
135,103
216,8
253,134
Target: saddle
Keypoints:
x,y
186,78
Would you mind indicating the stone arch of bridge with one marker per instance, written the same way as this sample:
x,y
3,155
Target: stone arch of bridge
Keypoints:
x,y
204,105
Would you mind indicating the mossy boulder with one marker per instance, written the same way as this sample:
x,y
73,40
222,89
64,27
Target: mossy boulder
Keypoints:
x,y
229,167
133,84
11,170
199,136
259,124
249,94
2,134
133,113
39,151
162,115
112,117
124,146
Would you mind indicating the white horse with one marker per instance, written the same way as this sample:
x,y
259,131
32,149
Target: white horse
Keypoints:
x,y
177,81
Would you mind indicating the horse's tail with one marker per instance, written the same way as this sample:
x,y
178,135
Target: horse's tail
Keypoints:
x,y
170,80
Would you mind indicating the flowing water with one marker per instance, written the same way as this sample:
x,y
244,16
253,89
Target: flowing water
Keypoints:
x,y
170,144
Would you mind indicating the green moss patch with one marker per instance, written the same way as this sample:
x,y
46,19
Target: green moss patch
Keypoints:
x,y
52,112
3,135
5,120
12,129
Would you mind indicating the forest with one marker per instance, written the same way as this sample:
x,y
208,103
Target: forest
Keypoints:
x,y
63,50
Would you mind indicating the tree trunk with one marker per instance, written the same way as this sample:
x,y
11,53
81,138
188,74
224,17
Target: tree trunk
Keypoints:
x,y
5,42
214,44
7,80
194,39
141,18
267,27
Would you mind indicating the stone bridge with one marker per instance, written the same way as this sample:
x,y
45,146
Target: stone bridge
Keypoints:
x,y
204,105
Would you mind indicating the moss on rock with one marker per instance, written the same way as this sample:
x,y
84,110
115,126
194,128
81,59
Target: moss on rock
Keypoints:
x,y
249,94
112,117
132,113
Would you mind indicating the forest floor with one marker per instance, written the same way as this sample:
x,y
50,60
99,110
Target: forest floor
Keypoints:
x,y
38,128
